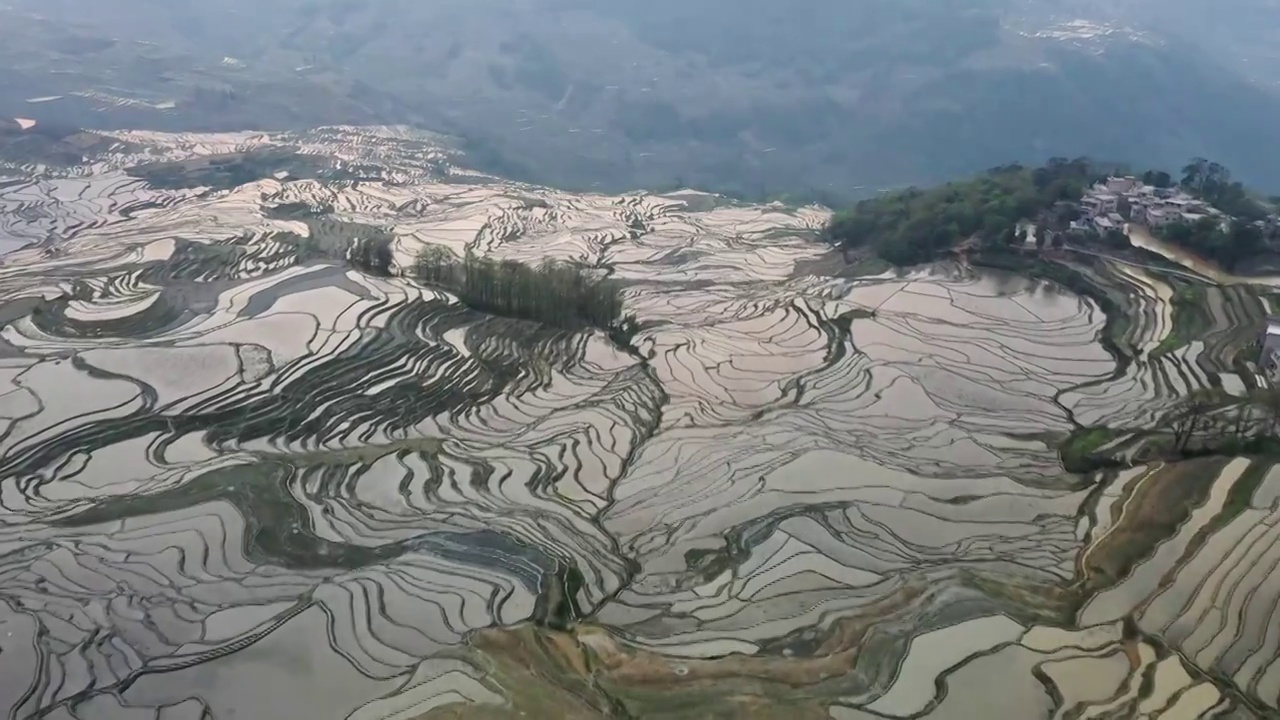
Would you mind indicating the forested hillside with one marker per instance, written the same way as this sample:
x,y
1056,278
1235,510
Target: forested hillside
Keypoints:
x,y
996,209
807,99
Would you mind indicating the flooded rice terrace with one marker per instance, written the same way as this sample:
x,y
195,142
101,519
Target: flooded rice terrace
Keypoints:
x,y
239,482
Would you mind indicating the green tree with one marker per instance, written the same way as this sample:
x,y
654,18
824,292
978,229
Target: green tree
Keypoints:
x,y
372,255
915,225
1157,178
1194,173
554,293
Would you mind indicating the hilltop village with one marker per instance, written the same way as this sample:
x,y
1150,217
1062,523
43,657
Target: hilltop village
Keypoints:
x,y
1110,204
1113,204
1050,221
1065,202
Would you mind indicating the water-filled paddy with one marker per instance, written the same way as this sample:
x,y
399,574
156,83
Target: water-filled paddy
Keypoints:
x,y
242,485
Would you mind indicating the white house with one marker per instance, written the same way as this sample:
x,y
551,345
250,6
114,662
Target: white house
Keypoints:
x,y
1158,217
1122,185
1100,203
1269,354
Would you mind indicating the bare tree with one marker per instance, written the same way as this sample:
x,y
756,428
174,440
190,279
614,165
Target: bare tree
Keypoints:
x,y
1269,398
1244,422
1190,415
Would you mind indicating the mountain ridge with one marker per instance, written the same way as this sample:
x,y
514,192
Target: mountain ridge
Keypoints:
x,y
757,102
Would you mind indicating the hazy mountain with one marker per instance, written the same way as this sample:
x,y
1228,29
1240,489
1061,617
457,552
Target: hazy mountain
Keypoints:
x,y
753,96
1242,34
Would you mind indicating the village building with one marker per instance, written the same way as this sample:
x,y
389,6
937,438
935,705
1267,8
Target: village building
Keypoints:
x,y
1100,203
1110,206
1122,185
1269,350
1130,200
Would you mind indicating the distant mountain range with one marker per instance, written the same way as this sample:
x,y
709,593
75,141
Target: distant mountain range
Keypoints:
x,y
816,97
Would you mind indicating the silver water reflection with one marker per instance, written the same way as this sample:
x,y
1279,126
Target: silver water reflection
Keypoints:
x,y
240,483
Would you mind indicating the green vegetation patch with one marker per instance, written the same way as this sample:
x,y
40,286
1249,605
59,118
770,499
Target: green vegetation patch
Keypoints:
x,y
1159,505
1239,497
1190,316
1242,492
556,294
1245,229
913,225
1079,452
1001,207
277,527
1228,243
226,171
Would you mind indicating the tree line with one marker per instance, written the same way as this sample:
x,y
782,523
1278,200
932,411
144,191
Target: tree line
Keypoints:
x,y
1205,422
553,293
1212,183
1228,243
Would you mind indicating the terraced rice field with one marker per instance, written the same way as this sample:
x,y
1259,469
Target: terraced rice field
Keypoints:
x,y
239,482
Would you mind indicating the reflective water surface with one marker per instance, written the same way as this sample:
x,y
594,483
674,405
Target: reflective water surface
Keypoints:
x,y
238,483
